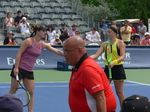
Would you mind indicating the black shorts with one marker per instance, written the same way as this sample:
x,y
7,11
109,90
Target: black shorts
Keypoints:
x,y
23,74
118,72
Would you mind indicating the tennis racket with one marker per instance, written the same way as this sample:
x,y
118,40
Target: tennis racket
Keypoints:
x,y
108,56
22,93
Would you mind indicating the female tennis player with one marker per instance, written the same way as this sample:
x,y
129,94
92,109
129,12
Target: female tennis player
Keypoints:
x,y
26,57
116,65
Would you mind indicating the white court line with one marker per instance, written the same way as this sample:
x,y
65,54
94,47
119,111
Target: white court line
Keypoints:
x,y
129,85
139,83
133,83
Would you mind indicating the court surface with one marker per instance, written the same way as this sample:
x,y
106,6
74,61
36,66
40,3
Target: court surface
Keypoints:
x,y
51,88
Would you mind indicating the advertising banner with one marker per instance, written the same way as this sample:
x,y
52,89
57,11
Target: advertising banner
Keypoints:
x,y
135,57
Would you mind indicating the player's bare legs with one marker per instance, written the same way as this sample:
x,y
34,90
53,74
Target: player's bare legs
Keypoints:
x,y
14,85
29,85
119,87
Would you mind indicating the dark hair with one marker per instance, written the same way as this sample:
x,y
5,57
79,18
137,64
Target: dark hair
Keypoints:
x,y
77,32
11,32
18,11
94,28
134,36
37,27
113,29
142,21
51,26
8,13
126,21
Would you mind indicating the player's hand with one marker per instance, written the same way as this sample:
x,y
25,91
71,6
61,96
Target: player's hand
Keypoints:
x,y
16,71
111,64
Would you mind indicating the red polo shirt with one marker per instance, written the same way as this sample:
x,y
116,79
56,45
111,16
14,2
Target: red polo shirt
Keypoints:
x,y
88,79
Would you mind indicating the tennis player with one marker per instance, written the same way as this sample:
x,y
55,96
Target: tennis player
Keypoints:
x,y
26,57
89,88
118,54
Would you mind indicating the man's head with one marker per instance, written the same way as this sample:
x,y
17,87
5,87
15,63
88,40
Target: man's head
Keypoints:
x,y
126,22
102,22
19,13
74,26
9,103
63,25
77,33
141,22
74,49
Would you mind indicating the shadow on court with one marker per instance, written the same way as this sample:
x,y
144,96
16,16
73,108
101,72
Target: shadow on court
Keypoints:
x,y
53,97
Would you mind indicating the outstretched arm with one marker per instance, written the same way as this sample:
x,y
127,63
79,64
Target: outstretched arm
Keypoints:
x,y
50,48
99,52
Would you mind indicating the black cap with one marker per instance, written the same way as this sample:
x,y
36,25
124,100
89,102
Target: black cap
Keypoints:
x,y
63,24
136,103
41,28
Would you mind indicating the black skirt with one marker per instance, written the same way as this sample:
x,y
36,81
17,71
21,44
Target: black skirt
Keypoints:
x,y
117,72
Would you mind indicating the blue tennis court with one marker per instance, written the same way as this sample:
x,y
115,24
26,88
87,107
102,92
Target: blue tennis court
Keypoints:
x,y
53,96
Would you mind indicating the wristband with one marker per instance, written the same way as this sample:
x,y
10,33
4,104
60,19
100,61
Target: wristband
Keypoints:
x,y
115,61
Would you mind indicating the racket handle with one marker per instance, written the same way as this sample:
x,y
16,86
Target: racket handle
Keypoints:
x,y
17,78
110,74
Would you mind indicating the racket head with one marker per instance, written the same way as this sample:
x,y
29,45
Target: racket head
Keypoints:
x,y
23,95
108,52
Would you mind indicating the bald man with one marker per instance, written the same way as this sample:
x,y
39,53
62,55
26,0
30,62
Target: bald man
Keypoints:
x,y
89,88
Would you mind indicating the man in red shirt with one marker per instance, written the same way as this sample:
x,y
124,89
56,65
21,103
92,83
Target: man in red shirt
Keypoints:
x,y
133,29
89,88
